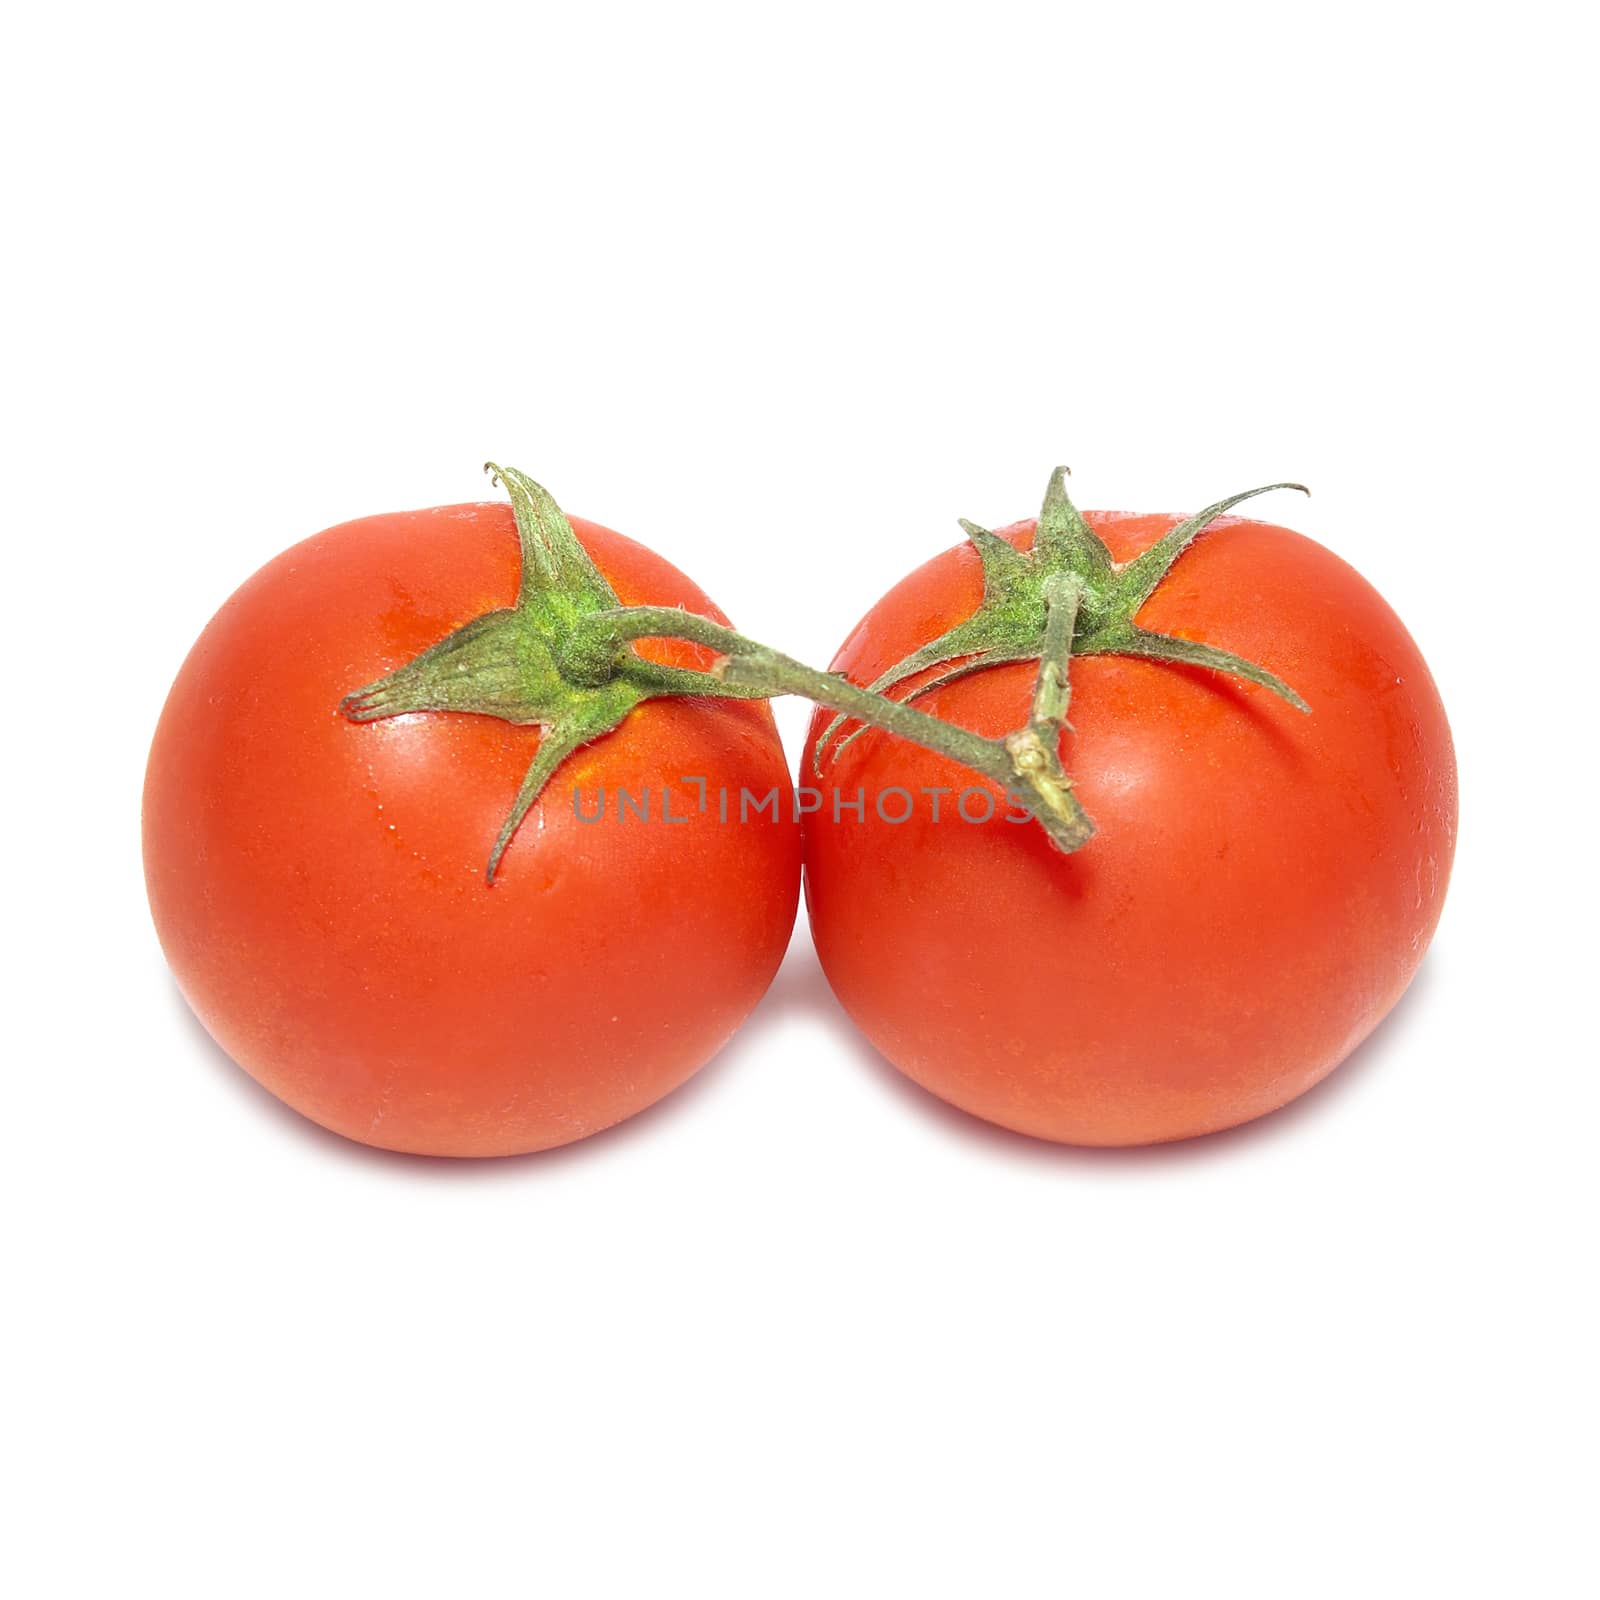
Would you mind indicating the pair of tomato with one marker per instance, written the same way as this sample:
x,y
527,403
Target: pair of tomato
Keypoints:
x,y
1259,891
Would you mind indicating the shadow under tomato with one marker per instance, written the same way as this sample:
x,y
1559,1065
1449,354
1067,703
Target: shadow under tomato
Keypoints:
x,y
1004,1142
791,992
800,988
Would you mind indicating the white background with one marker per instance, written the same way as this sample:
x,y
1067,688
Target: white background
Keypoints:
x,y
769,289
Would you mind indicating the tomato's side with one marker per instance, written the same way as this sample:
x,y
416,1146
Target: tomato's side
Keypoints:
x,y
1260,890
318,885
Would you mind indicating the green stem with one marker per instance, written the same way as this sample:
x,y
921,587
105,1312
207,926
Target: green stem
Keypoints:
x,y
1052,692
1035,749
559,658
757,671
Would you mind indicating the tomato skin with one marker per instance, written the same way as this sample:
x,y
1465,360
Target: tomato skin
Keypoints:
x,y
318,886
1260,890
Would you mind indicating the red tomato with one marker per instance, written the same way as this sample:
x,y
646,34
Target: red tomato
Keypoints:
x,y
319,885
1259,892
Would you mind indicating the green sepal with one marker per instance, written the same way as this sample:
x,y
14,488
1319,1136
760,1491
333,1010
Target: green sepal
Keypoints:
x,y
1064,542
554,564
1138,580
498,665
1140,642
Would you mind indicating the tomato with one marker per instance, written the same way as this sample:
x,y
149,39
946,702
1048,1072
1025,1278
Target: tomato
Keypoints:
x,y
1259,889
319,885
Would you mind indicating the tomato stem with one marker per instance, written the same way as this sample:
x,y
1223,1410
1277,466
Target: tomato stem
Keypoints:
x,y
1052,692
1028,770
560,658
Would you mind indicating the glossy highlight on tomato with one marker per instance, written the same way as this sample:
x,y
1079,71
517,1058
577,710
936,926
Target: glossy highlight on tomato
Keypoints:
x,y
319,885
1259,889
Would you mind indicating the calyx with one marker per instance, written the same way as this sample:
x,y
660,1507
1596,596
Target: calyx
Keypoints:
x,y
514,664
1011,619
